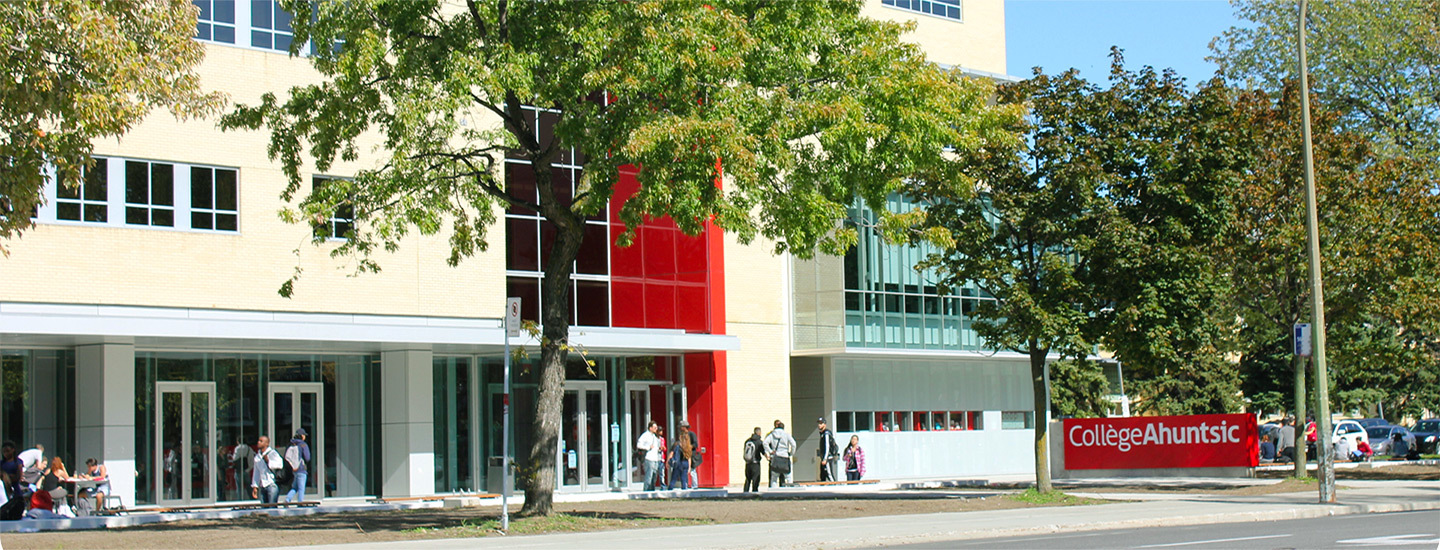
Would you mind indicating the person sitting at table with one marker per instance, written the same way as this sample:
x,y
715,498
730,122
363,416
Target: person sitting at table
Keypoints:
x,y
54,478
97,472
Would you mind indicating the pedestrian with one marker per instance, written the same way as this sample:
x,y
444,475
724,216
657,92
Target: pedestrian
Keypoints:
x,y
262,475
682,450
298,455
10,468
828,453
779,448
97,472
1287,439
1311,436
662,479
697,454
654,459
854,460
32,467
754,451
1267,450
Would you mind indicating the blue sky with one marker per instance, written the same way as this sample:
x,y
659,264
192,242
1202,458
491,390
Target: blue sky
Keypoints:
x,y
1060,34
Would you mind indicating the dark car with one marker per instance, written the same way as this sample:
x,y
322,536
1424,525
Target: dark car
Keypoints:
x,y
1372,422
1427,434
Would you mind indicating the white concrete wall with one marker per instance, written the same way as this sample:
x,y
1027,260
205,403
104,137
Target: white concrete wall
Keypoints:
x,y
892,455
407,423
105,413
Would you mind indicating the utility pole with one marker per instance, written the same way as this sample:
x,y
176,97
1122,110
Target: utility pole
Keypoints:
x,y
1317,295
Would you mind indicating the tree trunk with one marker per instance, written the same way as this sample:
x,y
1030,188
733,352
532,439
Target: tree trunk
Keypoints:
x,y
554,346
1300,470
1042,428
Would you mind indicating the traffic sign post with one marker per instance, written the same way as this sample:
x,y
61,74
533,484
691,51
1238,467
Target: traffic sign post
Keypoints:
x,y
1300,344
512,330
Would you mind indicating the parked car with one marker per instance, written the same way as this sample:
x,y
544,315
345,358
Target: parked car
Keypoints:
x,y
1372,422
1380,438
1427,434
1350,430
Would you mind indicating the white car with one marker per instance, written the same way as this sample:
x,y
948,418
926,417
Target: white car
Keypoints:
x,y
1349,430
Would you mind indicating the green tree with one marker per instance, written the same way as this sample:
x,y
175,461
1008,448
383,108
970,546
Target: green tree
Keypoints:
x,y
77,70
1079,389
805,106
1377,62
1090,232
1378,223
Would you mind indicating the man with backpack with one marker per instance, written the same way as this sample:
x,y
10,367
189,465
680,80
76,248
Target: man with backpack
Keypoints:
x,y
828,453
754,449
262,477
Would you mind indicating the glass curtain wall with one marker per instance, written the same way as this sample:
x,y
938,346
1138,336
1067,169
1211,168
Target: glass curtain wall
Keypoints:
x,y
454,451
890,304
351,409
37,401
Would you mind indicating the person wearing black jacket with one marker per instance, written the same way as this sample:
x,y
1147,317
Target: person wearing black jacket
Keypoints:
x,y
754,453
827,453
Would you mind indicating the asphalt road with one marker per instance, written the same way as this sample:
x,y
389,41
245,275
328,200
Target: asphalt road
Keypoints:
x,y
1394,530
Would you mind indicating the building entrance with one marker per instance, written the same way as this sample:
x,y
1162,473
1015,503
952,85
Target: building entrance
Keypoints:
x,y
295,405
583,452
185,448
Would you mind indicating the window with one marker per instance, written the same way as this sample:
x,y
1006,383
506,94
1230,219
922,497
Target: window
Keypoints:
x,y
216,21
214,199
1017,420
270,26
341,220
949,9
87,201
149,193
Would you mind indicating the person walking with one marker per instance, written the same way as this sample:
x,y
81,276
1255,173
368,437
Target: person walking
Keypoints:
x,y
828,453
854,457
754,450
1286,445
262,474
654,458
682,450
779,448
298,455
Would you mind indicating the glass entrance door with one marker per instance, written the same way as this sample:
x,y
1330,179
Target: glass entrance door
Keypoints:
x,y
583,453
644,401
185,448
295,405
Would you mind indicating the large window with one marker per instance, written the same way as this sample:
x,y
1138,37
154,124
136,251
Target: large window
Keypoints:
x,y
216,21
949,9
88,201
270,26
149,193
529,238
341,220
214,199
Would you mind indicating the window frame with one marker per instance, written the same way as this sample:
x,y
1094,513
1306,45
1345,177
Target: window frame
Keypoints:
x,y
331,230
149,207
213,210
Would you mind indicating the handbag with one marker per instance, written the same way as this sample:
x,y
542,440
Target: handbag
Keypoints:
x,y
780,464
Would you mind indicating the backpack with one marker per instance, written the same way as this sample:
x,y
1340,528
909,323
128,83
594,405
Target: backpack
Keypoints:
x,y
752,452
14,509
286,475
85,505
834,448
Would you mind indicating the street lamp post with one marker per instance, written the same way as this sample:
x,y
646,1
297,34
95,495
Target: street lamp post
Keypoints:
x,y
1317,295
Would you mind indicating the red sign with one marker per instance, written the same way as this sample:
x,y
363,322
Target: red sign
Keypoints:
x,y
1199,441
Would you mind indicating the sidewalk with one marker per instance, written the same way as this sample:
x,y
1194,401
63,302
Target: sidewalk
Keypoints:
x,y
1147,510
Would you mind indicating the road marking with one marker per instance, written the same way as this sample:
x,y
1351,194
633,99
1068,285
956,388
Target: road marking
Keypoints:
x,y
1211,541
1392,540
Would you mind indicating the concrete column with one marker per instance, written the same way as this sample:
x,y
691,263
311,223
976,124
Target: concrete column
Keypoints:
x,y
105,413
407,422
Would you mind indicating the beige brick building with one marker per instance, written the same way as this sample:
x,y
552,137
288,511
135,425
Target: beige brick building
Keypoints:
x,y
140,321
